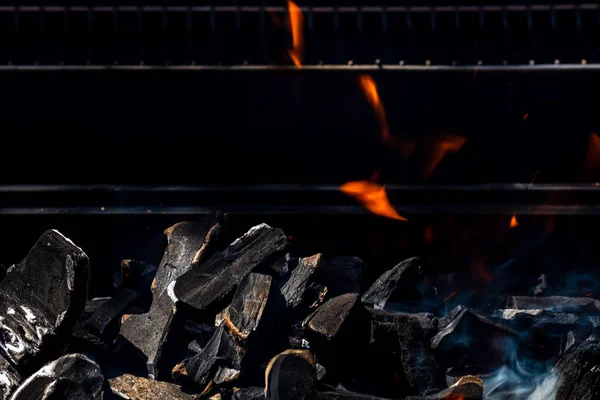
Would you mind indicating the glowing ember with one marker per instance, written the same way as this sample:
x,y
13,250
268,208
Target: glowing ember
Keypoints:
x,y
513,221
526,116
451,295
297,28
444,145
373,197
591,167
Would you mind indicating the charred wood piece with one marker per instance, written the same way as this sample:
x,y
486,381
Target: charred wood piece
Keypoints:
x,y
402,275
208,283
72,376
558,304
188,243
329,318
291,375
448,318
219,362
250,393
340,394
111,311
41,299
578,372
294,290
246,310
9,379
137,388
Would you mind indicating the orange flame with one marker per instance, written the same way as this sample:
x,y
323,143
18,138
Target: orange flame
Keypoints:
x,y
592,158
373,197
296,53
441,147
513,221
369,88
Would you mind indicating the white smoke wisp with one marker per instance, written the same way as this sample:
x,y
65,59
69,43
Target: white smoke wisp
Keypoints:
x,y
546,390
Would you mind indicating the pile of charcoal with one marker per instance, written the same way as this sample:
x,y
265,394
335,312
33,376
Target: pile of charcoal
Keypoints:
x,y
249,320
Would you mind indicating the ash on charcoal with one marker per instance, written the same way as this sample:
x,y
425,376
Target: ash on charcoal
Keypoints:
x,y
291,375
294,290
72,376
558,304
342,275
578,373
403,276
208,283
220,361
471,339
188,244
41,299
328,318
559,323
137,388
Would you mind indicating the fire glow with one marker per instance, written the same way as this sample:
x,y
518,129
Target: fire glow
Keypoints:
x,y
296,53
373,197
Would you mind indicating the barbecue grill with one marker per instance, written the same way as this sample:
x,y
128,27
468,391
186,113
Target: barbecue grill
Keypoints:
x,y
121,120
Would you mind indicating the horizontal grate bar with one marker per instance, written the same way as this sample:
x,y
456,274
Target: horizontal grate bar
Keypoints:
x,y
234,35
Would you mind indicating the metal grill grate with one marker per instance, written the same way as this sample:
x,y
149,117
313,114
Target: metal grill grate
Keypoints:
x,y
257,35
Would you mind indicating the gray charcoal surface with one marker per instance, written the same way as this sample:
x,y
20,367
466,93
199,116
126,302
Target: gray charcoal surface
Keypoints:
x,y
542,319
466,388
209,282
188,244
448,318
41,299
559,304
291,375
329,317
340,394
404,275
578,373
295,288
72,376
132,387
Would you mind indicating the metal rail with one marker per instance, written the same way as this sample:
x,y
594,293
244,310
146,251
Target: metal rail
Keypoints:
x,y
332,67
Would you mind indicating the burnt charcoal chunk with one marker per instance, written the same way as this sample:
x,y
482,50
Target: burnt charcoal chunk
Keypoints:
x,y
470,331
248,305
403,275
42,298
448,318
343,274
466,388
9,379
294,289
540,319
72,376
220,361
329,318
208,283
559,304
110,311
137,388
291,375
578,373
188,243
251,393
